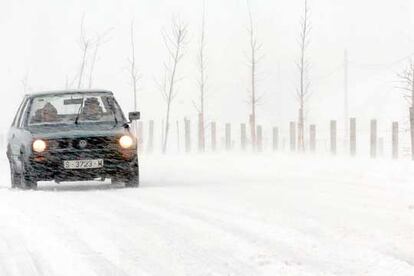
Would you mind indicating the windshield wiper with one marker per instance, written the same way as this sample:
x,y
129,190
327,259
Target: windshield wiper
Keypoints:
x,y
79,110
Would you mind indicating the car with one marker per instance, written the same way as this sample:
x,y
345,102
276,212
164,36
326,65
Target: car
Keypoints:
x,y
73,135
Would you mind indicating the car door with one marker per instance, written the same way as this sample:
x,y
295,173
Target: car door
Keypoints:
x,y
17,135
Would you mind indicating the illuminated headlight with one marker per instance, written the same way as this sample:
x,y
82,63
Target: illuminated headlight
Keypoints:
x,y
126,142
39,145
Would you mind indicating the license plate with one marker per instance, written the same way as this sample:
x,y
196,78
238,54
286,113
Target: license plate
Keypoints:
x,y
83,164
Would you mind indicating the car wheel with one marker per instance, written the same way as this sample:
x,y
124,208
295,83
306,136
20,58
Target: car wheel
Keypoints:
x,y
133,177
15,177
116,180
27,181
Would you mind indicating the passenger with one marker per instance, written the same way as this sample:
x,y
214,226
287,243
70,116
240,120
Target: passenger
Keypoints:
x,y
91,110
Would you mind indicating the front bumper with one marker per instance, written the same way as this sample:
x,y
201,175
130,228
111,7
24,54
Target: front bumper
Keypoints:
x,y
49,165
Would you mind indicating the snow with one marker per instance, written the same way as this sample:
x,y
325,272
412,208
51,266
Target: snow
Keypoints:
x,y
218,215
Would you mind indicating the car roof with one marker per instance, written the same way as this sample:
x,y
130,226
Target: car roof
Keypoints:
x,y
63,92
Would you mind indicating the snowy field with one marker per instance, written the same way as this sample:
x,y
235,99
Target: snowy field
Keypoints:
x,y
218,215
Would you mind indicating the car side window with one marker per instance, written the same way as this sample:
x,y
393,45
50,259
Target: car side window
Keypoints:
x,y
23,114
18,113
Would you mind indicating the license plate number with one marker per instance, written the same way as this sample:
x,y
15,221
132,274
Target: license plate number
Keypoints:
x,y
83,164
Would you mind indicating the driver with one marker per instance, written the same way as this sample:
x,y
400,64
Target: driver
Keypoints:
x,y
91,110
46,114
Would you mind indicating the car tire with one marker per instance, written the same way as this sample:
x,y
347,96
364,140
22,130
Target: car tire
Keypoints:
x,y
132,180
27,181
15,177
116,180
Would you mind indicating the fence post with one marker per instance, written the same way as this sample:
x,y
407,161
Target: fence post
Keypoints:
x,y
292,132
228,136
373,139
352,137
259,139
381,146
395,140
312,133
213,136
187,130
139,135
333,136
243,136
275,139
201,142
150,145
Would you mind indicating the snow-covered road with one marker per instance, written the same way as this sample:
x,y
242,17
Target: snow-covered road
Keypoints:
x,y
218,215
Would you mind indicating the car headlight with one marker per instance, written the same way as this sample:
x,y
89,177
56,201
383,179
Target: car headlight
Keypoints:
x,y
39,145
126,142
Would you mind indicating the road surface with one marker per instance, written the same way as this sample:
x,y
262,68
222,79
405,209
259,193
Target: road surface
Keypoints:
x,y
217,215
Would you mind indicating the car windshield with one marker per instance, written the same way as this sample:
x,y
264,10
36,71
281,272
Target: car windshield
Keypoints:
x,y
74,108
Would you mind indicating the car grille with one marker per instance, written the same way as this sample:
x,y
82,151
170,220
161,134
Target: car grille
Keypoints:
x,y
84,143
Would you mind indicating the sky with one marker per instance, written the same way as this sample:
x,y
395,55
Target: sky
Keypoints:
x,y
40,44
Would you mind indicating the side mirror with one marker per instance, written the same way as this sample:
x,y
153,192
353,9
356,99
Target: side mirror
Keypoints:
x,y
133,116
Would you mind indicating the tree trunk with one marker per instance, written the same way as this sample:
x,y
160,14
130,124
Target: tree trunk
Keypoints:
x,y
201,142
301,130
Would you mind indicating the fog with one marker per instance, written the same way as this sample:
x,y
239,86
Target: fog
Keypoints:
x,y
41,45
83,193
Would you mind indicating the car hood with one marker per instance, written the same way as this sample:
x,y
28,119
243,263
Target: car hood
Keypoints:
x,y
74,131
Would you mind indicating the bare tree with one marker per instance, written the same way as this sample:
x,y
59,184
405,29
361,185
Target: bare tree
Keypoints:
x,y
254,59
175,41
407,79
93,61
84,44
303,66
202,81
101,39
133,71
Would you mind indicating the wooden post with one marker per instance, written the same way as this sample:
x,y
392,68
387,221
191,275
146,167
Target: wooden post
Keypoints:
x,y
333,137
275,139
213,136
201,142
373,139
187,135
150,144
292,128
395,140
243,136
259,139
140,136
352,137
228,137
381,146
312,132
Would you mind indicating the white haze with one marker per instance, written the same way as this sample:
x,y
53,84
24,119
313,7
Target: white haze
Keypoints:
x,y
40,41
